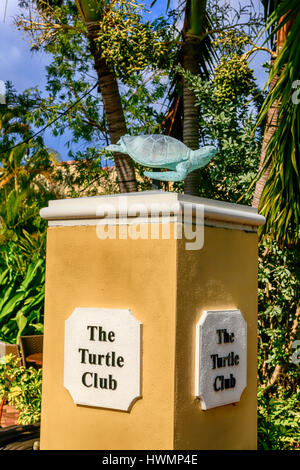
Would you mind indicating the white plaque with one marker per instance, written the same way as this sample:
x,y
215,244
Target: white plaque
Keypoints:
x,y
102,356
221,358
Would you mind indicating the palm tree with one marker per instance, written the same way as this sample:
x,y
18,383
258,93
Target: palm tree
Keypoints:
x,y
90,11
195,56
278,189
272,114
195,14
20,162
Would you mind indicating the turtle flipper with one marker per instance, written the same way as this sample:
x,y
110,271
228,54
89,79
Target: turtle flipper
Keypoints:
x,y
166,175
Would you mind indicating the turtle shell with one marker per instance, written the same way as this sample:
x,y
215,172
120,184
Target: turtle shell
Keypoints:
x,y
155,150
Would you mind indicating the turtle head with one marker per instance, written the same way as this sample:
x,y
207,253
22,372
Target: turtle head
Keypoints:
x,y
201,157
118,147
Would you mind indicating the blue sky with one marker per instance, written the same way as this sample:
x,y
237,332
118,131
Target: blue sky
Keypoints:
x,y
26,69
18,64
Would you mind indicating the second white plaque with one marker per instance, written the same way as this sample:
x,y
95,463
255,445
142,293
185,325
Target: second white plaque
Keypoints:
x,y
221,358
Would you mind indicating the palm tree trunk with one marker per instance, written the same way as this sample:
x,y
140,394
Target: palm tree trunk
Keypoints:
x,y
270,128
190,113
114,112
192,30
271,122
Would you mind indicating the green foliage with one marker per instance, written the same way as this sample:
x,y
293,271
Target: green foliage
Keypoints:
x,y
22,154
279,393
229,126
22,267
22,231
233,77
21,387
278,421
130,44
145,105
279,288
280,200
21,298
279,272
21,223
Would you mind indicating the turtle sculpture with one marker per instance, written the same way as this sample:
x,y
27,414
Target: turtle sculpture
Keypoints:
x,y
161,151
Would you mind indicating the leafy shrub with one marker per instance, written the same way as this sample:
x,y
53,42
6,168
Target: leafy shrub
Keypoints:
x,y
278,326
22,302
22,266
21,387
278,421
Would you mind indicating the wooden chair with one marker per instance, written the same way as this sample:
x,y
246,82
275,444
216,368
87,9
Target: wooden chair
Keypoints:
x,y
6,348
31,345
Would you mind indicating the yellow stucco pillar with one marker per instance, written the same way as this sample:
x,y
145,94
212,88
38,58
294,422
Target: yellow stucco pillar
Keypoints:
x,y
143,265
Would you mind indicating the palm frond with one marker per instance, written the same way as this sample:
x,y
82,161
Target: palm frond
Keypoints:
x,y
280,200
269,8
